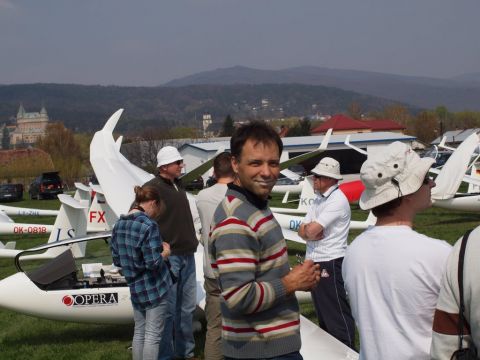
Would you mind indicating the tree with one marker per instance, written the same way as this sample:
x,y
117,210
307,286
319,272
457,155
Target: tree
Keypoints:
x,y
425,125
5,139
397,113
25,164
83,140
60,143
228,126
301,128
354,110
182,132
442,113
465,120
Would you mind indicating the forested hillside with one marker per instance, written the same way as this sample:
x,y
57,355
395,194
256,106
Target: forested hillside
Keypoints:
x,y
85,108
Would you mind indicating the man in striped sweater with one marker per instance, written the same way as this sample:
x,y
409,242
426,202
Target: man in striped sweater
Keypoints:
x,y
249,256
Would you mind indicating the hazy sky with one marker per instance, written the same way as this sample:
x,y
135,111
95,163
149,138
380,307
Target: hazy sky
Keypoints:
x,y
136,42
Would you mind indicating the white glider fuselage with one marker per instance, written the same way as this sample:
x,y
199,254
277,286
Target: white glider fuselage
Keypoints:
x,y
94,305
465,202
25,229
13,210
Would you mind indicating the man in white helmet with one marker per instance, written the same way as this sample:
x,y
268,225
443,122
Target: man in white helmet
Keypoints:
x,y
177,229
325,230
392,273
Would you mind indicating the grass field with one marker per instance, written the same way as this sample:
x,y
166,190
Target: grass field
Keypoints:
x,y
24,337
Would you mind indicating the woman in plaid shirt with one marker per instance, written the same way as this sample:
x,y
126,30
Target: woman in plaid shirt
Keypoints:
x,y
138,249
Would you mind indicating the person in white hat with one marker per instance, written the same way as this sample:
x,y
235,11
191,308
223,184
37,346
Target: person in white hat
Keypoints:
x,y
392,273
325,229
177,227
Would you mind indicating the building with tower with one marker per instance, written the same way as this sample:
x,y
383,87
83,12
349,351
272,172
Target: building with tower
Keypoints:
x,y
30,126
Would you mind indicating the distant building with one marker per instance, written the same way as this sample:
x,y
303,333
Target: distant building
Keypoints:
x,y
30,126
206,122
455,137
342,124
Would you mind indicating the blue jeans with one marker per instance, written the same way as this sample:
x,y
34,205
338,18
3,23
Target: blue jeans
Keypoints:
x,y
149,327
291,356
182,304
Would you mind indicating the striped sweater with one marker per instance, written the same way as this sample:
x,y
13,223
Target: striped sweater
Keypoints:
x,y
249,258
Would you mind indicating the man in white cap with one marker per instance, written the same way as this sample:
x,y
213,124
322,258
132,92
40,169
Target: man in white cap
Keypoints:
x,y
392,273
325,229
177,229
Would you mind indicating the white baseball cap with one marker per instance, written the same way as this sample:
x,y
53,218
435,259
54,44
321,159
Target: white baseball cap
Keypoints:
x,y
394,172
328,167
168,155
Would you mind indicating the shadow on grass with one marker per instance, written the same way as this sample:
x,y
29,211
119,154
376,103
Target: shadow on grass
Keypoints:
x,y
448,221
70,334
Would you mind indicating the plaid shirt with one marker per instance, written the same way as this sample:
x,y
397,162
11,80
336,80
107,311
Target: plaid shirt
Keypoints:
x,y
136,247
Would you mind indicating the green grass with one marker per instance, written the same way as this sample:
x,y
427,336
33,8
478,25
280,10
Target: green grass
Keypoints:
x,y
25,337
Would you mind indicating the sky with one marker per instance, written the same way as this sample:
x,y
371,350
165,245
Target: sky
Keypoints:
x,y
148,43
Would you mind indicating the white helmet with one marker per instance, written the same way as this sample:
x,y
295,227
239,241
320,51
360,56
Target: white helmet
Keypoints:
x,y
168,155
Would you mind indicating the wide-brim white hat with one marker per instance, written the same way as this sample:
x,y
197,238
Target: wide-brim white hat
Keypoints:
x,y
394,172
328,167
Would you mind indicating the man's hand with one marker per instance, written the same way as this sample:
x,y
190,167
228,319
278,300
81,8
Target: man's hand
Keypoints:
x,y
302,277
311,231
166,250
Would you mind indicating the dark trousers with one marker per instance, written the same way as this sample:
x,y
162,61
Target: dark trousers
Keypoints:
x,y
331,303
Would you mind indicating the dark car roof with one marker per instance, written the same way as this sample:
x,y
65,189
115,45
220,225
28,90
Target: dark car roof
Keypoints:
x,y
10,186
50,174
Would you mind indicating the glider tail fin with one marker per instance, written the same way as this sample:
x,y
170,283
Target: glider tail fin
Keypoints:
x,y
70,222
307,195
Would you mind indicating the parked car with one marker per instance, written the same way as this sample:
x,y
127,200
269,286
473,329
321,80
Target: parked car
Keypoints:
x,y
11,192
46,186
196,184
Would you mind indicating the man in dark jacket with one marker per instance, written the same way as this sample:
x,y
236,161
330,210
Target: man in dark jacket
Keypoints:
x,y
177,229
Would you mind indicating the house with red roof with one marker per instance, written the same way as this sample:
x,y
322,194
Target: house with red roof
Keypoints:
x,y
342,124
384,125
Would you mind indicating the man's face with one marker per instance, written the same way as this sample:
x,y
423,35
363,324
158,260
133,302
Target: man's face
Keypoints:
x,y
172,170
258,167
322,183
422,198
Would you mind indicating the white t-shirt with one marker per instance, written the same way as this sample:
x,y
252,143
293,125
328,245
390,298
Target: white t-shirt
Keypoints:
x,y
207,202
392,276
332,211
444,343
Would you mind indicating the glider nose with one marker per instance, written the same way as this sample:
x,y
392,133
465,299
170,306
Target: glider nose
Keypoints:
x,y
14,294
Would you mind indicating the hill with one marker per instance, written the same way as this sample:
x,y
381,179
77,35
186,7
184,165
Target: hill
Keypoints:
x,y
86,108
458,93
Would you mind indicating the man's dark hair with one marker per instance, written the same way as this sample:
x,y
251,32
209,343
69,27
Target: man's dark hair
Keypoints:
x,y
259,132
222,165
388,208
